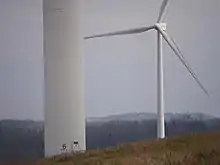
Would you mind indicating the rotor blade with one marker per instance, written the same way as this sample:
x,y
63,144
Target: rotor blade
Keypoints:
x,y
162,9
178,53
122,32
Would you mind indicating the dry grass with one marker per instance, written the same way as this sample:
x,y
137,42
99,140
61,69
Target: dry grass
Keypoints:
x,y
195,149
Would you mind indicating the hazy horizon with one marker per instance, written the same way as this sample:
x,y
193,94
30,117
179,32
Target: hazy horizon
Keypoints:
x,y
119,71
117,114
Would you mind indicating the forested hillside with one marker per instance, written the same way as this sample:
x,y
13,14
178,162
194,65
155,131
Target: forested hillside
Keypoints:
x,y
24,139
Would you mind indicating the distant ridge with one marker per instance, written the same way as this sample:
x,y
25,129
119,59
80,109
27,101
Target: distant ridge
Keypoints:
x,y
140,116
150,116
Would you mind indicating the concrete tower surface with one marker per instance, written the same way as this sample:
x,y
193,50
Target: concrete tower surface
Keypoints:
x,y
63,76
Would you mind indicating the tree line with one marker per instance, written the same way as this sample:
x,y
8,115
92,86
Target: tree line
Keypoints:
x,y
27,139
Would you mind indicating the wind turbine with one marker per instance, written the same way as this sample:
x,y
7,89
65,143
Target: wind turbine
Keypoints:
x,y
160,28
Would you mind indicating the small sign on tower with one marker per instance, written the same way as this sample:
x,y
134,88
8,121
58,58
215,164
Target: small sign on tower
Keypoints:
x,y
75,146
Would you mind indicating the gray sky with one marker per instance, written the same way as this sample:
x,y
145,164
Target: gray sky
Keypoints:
x,y
120,71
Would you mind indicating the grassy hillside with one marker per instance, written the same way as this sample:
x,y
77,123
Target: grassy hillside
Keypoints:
x,y
194,149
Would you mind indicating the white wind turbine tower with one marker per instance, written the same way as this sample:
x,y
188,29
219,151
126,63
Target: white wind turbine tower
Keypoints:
x,y
64,126
161,33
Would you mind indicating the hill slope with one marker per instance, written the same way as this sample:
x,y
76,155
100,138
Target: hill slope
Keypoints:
x,y
194,149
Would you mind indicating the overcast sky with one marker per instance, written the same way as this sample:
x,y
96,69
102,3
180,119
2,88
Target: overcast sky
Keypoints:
x,y
120,71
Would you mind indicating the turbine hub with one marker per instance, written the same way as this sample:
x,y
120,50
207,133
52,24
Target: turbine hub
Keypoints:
x,y
162,26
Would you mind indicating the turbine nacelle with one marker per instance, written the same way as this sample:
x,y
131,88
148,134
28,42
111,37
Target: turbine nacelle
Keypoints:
x,y
162,26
